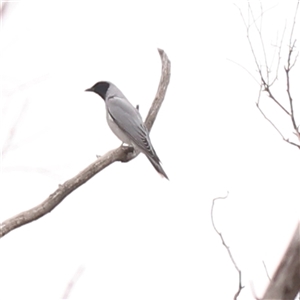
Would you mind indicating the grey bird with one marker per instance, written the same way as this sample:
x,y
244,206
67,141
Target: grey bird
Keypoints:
x,y
126,122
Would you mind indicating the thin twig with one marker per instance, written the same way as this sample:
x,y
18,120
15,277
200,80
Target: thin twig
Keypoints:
x,y
226,246
279,57
265,82
274,55
288,87
285,139
266,270
259,31
245,70
270,94
294,22
288,69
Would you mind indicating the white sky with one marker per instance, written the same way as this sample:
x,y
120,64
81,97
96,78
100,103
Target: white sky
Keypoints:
x,y
136,235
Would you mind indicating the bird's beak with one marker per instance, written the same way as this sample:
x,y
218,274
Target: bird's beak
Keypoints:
x,y
89,90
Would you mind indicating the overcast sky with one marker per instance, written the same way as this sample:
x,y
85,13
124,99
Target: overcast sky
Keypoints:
x,y
134,234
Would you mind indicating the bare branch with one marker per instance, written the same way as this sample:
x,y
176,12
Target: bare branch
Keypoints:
x,y
288,68
226,246
258,106
261,111
285,283
123,154
259,31
247,26
295,60
285,139
264,81
161,91
288,88
279,57
268,90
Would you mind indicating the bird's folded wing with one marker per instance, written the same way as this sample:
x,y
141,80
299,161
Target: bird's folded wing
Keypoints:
x,y
129,120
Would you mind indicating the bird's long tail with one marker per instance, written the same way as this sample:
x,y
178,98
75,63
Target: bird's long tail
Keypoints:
x,y
157,167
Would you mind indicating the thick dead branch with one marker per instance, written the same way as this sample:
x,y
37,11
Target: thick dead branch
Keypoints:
x,y
240,287
123,154
285,283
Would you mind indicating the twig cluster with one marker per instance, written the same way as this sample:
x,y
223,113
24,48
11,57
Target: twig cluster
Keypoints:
x,y
265,81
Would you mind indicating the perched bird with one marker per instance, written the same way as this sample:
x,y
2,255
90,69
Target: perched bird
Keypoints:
x,y
126,122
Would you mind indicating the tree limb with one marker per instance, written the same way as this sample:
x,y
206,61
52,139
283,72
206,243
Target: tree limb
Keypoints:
x,y
272,123
285,283
123,154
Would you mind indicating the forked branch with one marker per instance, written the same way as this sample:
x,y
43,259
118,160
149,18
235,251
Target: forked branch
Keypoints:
x,y
264,70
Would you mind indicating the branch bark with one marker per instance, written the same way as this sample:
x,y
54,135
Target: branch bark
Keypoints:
x,y
285,283
123,154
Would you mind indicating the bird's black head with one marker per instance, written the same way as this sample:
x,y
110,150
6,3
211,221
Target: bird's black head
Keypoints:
x,y
100,88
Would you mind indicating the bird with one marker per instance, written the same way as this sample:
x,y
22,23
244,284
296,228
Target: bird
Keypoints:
x,y
126,122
